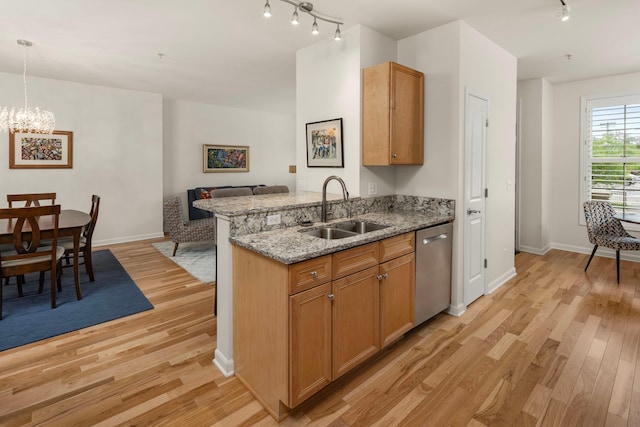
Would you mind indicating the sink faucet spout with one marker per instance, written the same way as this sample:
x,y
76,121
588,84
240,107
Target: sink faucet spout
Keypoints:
x,y
345,194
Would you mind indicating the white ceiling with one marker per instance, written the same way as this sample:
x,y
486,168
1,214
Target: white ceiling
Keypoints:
x,y
225,52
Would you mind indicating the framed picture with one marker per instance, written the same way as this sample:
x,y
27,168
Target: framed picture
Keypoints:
x,y
41,151
225,158
324,144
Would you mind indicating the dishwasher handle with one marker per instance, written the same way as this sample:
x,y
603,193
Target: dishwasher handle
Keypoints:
x,y
433,239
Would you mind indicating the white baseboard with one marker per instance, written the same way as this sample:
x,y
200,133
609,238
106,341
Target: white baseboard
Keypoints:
x,y
535,251
225,365
456,310
602,251
496,284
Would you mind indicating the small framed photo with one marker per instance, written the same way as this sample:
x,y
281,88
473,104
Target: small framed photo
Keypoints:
x,y
41,151
324,144
225,158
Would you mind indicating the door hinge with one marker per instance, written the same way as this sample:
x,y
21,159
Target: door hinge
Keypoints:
x,y
486,123
486,192
485,263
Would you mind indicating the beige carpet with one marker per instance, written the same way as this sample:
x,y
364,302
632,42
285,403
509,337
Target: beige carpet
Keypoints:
x,y
198,258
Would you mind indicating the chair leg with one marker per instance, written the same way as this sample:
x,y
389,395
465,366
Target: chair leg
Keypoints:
x,y
88,263
595,248
20,280
41,282
54,283
175,249
618,265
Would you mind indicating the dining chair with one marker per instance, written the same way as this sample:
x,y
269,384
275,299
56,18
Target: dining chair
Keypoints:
x,y
182,231
604,229
27,255
271,189
85,240
31,199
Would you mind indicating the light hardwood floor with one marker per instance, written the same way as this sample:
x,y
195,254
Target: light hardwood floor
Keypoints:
x,y
554,346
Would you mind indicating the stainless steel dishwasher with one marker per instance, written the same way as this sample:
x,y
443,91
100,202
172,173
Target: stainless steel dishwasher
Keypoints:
x,y
433,271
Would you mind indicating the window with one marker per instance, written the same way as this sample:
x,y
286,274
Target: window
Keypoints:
x,y
610,151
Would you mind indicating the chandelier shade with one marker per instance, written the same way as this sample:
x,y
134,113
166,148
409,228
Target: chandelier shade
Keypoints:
x,y
26,119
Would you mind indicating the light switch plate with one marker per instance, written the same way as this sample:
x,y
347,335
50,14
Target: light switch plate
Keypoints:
x,y
273,219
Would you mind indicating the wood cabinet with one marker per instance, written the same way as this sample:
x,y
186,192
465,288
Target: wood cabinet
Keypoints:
x,y
332,322
392,115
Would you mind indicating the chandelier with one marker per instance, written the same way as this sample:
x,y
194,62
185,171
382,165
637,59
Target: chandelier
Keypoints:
x,y
26,120
307,7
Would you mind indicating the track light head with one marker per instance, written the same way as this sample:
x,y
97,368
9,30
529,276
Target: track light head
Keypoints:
x,y
267,10
338,35
314,27
295,18
564,15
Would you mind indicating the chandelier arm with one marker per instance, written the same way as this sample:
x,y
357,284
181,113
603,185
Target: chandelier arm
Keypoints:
x,y
24,76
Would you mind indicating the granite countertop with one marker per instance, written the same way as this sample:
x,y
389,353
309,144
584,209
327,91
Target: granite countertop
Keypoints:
x,y
289,246
233,206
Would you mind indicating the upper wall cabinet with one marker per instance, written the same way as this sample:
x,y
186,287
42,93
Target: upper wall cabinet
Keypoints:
x,y
392,115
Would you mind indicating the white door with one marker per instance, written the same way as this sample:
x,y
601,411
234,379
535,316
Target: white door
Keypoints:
x,y
475,135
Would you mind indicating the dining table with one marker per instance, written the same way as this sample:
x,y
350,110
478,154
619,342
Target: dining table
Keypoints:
x,y
632,217
70,224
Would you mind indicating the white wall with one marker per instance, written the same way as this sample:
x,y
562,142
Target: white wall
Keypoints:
x,y
188,126
536,156
117,154
455,58
565,170
489,70
328,87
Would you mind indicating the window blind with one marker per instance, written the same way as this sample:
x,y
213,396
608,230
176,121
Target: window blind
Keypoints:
x,y
612,151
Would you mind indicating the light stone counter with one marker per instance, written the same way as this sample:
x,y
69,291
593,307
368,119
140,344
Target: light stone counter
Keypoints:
x,y
290,246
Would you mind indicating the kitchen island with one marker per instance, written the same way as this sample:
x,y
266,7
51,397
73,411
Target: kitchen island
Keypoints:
x,y
268,225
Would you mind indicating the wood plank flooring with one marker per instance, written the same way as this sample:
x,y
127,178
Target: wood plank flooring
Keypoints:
x,y
553,347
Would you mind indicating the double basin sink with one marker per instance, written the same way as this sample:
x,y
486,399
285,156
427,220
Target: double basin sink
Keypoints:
x,y
343,229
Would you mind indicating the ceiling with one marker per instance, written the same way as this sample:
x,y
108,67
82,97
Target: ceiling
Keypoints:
x,y
225,52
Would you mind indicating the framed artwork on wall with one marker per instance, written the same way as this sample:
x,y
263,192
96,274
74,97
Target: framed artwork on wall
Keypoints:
x,y
324,144
225,158
41,151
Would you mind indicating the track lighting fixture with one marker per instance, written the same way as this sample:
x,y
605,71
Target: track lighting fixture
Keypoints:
x,y
563,15
267,10
307,8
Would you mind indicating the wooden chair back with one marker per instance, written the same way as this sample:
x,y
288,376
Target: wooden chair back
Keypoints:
x,y
95,207
26,255
32,199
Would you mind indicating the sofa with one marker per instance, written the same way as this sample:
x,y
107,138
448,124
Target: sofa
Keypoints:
x,y
205,193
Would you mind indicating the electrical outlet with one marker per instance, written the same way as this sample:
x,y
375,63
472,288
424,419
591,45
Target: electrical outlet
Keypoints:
x,y
373,188
273,219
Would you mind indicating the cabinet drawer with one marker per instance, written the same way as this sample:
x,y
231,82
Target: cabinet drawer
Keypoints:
x,y
307,274
393,247
354,260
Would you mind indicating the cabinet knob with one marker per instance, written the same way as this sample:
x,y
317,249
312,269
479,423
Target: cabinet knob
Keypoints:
x,y
394,155
384,276
330,296
379,277
314,274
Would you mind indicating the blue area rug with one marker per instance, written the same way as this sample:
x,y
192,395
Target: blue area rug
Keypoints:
x,y
31,318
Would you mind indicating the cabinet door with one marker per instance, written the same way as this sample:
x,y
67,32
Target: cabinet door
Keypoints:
x,y
407,116
310,343
397,290
356,314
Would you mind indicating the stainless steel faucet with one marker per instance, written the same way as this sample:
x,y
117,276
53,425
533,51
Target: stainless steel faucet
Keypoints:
x,y
345,194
